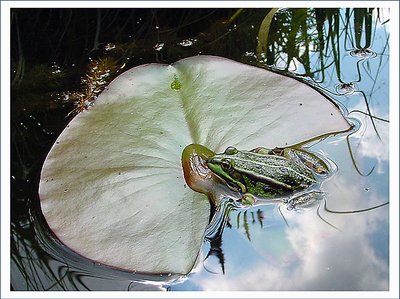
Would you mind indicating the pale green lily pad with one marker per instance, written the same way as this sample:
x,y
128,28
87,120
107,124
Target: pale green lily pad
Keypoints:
x,y
112,187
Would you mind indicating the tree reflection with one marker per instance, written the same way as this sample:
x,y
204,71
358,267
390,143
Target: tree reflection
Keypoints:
x,y
313,38
316,45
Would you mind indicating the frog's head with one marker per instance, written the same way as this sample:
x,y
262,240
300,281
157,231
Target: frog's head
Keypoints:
x,y
223,165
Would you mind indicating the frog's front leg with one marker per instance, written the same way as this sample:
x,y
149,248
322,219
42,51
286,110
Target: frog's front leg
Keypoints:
x,y
248,199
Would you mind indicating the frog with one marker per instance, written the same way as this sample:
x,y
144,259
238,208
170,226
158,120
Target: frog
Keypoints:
x,y
266,173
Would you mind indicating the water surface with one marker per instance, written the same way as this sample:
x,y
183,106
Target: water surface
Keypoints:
x,y
339,243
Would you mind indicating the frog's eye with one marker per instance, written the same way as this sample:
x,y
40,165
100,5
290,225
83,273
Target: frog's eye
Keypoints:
x,y
230,150
226,164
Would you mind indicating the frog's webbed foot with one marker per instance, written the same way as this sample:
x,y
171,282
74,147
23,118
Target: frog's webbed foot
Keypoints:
x,y
304,200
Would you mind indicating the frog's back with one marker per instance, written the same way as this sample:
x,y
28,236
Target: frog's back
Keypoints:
x,y
275,167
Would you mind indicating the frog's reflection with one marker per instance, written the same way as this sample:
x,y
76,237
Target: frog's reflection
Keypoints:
x,y
221,218
215,251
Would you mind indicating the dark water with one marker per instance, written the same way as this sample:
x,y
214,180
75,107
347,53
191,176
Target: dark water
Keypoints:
x,y
339,243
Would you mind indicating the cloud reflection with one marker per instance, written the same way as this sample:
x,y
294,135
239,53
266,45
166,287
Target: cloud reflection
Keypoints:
x,y
324,258
366,140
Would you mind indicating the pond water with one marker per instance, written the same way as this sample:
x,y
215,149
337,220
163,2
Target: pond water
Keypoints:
x,y
341,242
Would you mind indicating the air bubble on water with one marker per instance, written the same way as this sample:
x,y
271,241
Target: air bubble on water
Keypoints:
x,y
65,97
346,88
158,46
109,47
187,42
363,53
56,69
250,54
123,65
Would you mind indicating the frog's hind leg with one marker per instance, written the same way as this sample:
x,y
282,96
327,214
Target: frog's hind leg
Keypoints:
x,y
312,161
277,151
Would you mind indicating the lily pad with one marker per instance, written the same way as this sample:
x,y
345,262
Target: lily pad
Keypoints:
x,y
112,187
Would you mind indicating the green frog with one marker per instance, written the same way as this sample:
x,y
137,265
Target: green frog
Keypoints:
x,y
266,173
